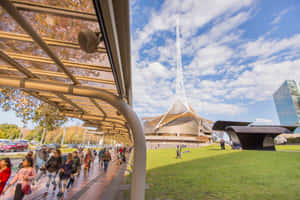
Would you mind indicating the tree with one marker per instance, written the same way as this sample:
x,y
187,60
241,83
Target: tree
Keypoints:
x,y
2,135
29,108
35,134
9,131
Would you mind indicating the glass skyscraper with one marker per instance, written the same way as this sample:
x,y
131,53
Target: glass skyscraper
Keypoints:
x,y
287,101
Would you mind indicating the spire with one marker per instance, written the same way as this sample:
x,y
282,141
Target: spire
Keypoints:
x,y
180,92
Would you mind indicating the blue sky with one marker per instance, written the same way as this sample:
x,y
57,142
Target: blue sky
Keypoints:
x,y
235,53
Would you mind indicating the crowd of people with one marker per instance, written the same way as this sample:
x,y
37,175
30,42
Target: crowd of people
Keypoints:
x,y
59,170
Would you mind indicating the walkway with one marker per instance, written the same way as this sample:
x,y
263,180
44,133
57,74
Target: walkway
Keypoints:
x,y
90,186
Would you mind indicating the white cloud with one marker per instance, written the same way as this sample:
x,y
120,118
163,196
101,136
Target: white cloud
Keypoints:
x,y
265,48
208,58
279,16
263,80
208,107
193,15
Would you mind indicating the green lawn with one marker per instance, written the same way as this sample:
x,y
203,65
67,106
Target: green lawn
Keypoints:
x,y
288,148
212,174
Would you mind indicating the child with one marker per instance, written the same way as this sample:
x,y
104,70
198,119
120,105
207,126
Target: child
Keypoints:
x,y
24,179
64,175
5,171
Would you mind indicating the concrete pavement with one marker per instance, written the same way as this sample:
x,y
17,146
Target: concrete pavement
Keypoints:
x,y
89,187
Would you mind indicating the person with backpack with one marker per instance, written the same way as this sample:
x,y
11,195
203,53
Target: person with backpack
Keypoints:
x,y
65,174
106,158
40,159
75,168
23,178
52,166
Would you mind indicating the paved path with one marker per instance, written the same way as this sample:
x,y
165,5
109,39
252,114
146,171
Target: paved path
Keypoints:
x,y
89,187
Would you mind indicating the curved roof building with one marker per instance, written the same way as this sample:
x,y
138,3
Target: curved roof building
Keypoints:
x,y
180,125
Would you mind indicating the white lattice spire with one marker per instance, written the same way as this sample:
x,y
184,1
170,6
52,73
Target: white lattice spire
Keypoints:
x,y
180,92
180,105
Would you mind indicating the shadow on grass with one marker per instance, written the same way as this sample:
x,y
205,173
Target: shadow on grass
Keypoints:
x,y
237,175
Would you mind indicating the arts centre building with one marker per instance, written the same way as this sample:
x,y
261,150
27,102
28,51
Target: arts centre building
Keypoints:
x,y
179,126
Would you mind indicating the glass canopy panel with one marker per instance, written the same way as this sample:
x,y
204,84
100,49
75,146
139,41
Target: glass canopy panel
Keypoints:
x,y
58,27
8,23
78,5
60,33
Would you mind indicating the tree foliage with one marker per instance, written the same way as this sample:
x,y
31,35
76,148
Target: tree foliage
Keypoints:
x,y
9,131
28,108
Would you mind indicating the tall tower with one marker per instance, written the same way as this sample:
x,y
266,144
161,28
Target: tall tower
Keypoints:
x,y
180,92
180,105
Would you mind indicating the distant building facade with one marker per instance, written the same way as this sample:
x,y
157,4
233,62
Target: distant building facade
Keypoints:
x,y
287,102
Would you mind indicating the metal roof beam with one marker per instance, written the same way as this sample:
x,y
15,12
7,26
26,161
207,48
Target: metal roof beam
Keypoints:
x,y
49,41
37,7
16,65
56,74
93,117
14,13
70,102
98,106
65,62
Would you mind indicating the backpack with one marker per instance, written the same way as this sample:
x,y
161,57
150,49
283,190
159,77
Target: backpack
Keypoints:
x,y
39,162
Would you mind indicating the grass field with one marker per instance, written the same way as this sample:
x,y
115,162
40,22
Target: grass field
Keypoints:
x,y
212,174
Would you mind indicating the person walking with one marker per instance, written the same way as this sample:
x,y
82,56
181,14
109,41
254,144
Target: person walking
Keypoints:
x,y
100,156
40,159
5,172
222,143
52,166
106,158
81,157
178,152
64,175
87,161
121,152
23,179
75,168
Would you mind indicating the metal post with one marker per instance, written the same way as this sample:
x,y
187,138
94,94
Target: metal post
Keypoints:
x,y
63,138
84,137
43,135
139,163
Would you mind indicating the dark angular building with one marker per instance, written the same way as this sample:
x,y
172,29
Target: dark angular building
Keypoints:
x,y
252,137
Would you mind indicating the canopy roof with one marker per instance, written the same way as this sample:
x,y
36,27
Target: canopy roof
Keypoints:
x,y
38,41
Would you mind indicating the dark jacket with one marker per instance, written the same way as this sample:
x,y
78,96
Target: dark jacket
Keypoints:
x,y
53,164
76,164
67,170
